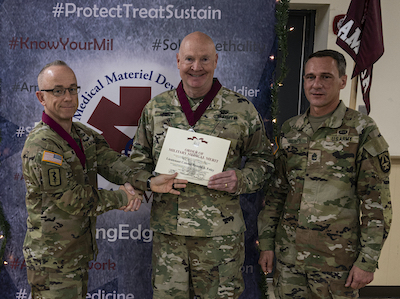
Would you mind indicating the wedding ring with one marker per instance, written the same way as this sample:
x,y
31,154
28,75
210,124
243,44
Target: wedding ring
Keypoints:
x,y
226,185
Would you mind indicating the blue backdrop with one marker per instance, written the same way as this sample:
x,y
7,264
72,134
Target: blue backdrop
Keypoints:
x,y
123,53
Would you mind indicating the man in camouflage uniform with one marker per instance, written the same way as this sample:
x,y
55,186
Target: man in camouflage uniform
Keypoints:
x,y
198,235
62,196
329,211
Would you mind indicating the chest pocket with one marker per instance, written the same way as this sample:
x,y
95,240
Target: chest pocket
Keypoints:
x,y
232,131
161,125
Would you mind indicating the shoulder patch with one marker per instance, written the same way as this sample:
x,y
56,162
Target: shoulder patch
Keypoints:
x,y
376,146
54,177
384,162
52,158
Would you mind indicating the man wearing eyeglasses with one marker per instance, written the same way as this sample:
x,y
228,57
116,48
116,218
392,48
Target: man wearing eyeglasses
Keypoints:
x,y
60,161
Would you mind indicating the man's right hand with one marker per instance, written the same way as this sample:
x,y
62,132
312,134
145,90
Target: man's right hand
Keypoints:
x,y
266,261
358,278
135,198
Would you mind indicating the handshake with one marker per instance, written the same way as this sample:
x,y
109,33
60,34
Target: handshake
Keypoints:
x,y
163,183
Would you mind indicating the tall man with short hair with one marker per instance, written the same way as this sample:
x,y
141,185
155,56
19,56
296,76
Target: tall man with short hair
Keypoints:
x,y
329,210
199,235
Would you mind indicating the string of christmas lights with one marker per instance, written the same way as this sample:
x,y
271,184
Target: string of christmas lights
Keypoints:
x,y
282,15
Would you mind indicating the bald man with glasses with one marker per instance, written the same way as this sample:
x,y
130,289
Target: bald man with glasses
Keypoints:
x,y
60,161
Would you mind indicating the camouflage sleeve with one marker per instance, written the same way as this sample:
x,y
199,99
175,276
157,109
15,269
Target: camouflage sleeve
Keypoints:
x,y
58,186
374,195
259,159
275,196
115,167
142,149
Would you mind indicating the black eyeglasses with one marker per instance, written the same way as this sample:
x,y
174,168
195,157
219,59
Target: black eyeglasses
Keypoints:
x,y
59,91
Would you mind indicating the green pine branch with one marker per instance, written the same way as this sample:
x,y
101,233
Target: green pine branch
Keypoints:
x,y
282,15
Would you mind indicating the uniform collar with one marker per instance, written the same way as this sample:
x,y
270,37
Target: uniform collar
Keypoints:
x,y
335,121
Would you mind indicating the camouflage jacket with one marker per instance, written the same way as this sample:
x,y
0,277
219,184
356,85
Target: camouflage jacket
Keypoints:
x,y
329,206
200,211
62,198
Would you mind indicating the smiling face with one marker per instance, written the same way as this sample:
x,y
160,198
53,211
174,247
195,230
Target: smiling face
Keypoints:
x,y
322,85
61,109
197,60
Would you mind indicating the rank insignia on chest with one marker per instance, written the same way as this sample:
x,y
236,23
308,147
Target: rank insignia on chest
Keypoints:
x,y
314,156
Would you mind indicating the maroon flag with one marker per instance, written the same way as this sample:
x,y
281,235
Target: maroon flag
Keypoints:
x,y
360,35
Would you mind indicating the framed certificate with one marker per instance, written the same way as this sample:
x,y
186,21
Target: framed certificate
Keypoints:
x,y
194,156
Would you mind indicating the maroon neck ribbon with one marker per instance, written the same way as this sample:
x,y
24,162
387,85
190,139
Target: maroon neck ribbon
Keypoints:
x,y
193,117
64,135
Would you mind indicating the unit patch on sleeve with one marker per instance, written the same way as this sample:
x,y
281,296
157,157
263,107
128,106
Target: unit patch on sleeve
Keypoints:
x,y
54,177
52,158
384,162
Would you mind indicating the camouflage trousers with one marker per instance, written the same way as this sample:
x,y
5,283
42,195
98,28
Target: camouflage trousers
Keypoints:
x,y
197,267
293,283
50,284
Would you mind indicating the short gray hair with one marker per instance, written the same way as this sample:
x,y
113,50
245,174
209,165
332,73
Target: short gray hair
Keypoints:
x,y
55,62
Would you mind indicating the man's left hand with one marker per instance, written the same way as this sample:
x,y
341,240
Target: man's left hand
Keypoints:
x,y
224,181
359,278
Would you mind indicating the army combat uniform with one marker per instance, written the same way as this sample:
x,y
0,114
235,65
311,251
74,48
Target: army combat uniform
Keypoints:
x,y
211,217
63,201
326,180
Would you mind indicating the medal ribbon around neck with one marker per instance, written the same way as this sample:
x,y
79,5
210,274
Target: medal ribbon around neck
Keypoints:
x,y
64,135
193,116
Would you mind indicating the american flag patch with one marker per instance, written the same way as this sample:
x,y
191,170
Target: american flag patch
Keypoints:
x,y
52,158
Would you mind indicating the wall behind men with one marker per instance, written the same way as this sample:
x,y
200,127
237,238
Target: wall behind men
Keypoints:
x,y
385,90
385,106
123,53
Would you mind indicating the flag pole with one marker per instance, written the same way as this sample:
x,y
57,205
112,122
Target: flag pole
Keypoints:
x,y
353,92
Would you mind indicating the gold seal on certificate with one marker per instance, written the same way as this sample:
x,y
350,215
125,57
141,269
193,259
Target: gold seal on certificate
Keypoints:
x,y
194,156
